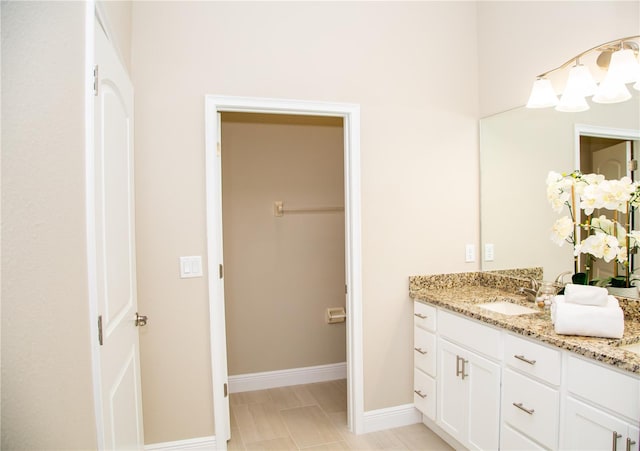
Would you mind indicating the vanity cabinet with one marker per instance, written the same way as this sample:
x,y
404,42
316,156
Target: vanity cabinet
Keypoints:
x,y
489,388
468,383
424,359
602,408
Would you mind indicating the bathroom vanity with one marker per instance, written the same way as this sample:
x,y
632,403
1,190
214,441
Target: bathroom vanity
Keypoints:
x,y
501,378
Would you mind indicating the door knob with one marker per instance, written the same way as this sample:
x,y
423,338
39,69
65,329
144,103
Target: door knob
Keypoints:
x,y
141,320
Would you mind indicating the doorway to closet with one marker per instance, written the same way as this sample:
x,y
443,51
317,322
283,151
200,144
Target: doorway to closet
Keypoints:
x,y
305,114
283,267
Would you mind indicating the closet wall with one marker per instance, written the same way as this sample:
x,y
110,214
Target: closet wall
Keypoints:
x,y
282,273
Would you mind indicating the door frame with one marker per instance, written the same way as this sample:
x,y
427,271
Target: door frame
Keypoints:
x,y
353,254
598,131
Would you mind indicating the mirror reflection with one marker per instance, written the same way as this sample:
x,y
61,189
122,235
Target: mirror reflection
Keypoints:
x,y
518,148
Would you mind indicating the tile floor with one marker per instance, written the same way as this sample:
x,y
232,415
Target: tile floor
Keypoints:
x,y
312,417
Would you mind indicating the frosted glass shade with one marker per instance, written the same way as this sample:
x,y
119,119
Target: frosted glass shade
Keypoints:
x,y
581,81
611,90
572,103
624,66
542,94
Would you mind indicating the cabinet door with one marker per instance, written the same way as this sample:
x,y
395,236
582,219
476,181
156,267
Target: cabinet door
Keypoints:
x,y
587,428
483,382
452,391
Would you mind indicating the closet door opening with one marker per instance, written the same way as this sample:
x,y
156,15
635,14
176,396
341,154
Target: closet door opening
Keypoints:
x,y
284,252
344,120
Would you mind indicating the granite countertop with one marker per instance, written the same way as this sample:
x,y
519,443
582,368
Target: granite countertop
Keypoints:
x,y
463,293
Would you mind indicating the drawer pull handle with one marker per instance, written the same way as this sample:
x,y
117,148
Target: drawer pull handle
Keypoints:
x,y
420,315
614,440
524,409
460,368
521,357
419,393
420,350
629,443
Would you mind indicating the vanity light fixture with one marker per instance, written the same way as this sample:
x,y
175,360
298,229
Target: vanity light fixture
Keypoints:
x,y
618,57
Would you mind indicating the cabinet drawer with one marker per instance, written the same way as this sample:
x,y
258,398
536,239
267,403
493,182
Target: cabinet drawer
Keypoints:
x,y
424,316
511,439
472,334
538,412
424,393
603,386
424,351
533,358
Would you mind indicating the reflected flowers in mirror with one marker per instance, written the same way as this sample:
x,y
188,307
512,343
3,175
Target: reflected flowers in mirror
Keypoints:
x,y
607,235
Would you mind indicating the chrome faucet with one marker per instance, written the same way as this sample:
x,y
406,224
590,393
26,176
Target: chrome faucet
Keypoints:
x,y
530,293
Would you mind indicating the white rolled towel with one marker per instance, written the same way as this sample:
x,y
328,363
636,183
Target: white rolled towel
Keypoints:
x,y
588,320
585,294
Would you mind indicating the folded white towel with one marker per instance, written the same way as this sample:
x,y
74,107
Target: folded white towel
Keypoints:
x,y
585,294
588,320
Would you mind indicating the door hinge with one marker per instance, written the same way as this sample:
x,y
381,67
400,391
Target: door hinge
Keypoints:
x,y
346,289
100,341
220,270
226,390
633,165
219,149
95,80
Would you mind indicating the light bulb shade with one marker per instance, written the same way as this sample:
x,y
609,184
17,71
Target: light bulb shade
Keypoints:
x,y
542,94
572,103
624,66
611,90
581,82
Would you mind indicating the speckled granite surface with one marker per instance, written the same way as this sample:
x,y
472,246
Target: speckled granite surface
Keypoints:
x,y
464,291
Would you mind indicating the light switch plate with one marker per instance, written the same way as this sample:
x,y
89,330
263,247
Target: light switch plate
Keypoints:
x,y
470,253
488,252
190,266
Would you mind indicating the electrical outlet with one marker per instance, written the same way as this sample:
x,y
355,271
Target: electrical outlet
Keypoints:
x,y
470,253
488,252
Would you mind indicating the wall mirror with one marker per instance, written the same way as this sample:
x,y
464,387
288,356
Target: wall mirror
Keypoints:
x,y
517,150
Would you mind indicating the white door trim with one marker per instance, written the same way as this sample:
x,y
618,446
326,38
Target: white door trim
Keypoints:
x,y
351,116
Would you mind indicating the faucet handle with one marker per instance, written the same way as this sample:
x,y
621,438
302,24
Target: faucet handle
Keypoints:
x,y
534,283
560,278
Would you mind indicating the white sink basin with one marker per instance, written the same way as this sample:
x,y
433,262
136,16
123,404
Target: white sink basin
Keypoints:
x,y
633,348
507,308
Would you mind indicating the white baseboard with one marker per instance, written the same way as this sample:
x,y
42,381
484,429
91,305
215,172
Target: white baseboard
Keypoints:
x,y
283,378
201,444
391,417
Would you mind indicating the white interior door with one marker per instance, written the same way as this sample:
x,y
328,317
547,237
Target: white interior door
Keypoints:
x,y
612,163
115,264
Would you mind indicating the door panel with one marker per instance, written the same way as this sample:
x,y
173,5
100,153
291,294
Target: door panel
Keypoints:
x,y
121,398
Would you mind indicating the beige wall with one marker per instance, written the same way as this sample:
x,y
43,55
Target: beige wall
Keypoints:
x,y
46,356
419,163
282,273
518,40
